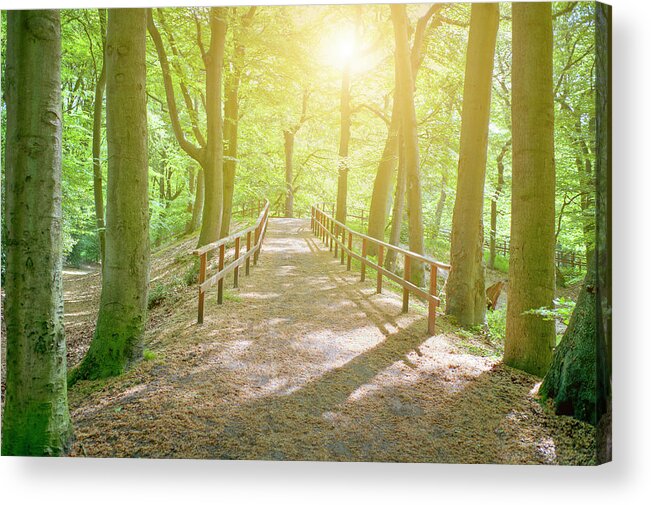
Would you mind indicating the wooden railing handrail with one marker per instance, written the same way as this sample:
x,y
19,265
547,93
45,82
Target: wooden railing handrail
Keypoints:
x,y
329,229
416,256
253,248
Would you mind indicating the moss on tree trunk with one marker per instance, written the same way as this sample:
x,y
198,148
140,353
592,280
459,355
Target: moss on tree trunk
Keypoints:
x,y
36,420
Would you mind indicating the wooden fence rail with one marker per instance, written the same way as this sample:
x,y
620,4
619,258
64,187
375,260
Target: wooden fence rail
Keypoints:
x,y
341,239
254,235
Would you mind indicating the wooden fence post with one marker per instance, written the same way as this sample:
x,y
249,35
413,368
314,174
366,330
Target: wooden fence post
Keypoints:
x,y
407,277
220,282
380,261
255,245
350,250
343,241
336,238
236,272
431,304
202,294
248,248
363,268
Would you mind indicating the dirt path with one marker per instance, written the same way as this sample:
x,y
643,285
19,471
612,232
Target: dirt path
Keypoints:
x,y
304,362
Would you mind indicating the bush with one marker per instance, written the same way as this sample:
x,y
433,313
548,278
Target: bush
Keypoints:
x,y
496,320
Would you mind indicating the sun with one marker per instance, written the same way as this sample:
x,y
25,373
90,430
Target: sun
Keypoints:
x,y
339,47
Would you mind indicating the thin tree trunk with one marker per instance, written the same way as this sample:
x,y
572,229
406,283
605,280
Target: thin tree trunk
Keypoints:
x,y
197,208
35,420
440,206
383,179
344,140
117,342
494,201
398,208
466,292
289,172
409,130
529,338
97,143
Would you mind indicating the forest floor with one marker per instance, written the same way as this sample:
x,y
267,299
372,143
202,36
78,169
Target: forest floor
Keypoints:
x,y
305,362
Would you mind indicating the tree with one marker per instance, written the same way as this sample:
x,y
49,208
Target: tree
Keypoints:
x,y
209,152
529,338
380,198
344,141
35,420
117,342
405,88
466,298
98,105
231,119
499,187
289,136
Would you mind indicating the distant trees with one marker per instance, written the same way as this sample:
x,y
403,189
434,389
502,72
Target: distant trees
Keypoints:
x,y
289,136
466,298
35,420
529,338
117,342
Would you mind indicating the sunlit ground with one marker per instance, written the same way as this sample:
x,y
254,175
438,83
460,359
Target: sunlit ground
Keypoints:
x,y
304,362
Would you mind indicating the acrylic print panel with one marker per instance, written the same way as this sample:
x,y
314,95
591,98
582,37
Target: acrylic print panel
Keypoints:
x,y
338,233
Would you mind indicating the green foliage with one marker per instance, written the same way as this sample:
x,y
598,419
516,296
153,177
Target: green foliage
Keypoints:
x,y
149,355
496,321
562,311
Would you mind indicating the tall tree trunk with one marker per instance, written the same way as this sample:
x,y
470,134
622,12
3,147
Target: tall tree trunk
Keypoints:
x,y
572,377
231,122
117,342
529,338
344,140
289,172
35,420
197,207
398,207
213,167
97,143
383,179
381,197
603,243
231,118
494,201
466,297
408,125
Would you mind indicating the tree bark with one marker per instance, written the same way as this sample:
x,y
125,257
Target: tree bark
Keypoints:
x,y
231,122
466,292
97,143
383,179
289,172
572,377
398,207
603,243
35,420
529,338
197,208
117,342
409,129
213,166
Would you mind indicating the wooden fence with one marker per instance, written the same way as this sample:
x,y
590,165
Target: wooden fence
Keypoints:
x,y
339,237
254,235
